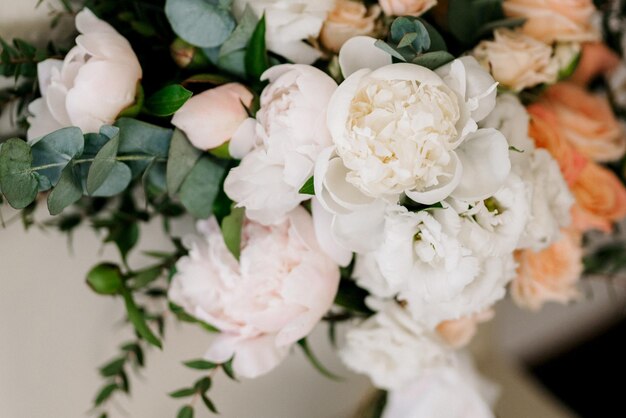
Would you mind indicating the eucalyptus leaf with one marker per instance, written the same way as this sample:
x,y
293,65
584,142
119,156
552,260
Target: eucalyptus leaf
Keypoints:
x,y
168,100
231,230
18,183
56,150
183,393
200,364
116,182
433,60
103,164
200,188
142,139
202,23
437,43
182,158
241,35
66,192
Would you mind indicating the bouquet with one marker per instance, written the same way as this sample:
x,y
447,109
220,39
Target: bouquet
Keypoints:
x,y
391,168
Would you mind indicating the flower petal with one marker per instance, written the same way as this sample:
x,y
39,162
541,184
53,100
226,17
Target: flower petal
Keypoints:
x,y
359,53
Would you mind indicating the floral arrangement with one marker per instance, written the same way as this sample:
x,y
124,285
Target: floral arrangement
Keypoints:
x,y
391,168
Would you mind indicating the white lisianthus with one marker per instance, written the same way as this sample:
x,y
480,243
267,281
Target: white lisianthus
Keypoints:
x,y
272,297
279,149
96,81
549,198
288,24
417,256
391,348
404,129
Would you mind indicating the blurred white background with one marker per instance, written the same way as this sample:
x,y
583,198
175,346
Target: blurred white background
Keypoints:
x,y
54,331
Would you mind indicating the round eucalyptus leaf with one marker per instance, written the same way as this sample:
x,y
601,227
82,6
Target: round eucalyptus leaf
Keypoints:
x,y
202,23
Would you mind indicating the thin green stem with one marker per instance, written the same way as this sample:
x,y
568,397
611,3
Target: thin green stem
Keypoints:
x,y
90,160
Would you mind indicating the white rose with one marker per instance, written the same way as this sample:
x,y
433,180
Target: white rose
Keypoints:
x,y
91,86
417,256
391,348
402,128
288,24
272,297
279,148
457,391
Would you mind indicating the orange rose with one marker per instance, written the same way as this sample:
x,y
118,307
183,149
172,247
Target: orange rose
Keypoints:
x,y
587,121
595,59
554,20
458,333
600,199
545,129
549,275
347,20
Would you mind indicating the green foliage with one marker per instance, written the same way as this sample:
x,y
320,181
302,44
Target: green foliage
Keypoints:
x,y
203,23
181,160
105,279
308,353
200,364
167,100
469,20
200,188
55,151
231,230
257,60
308,187
19,59
18,182
185,412
136,317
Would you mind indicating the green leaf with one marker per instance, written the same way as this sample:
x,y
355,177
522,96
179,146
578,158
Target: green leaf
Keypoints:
x,y
57,148
240,37
437,43
144,277
222,151
209,404
67,191
183,393
256,54
182,158
117,181
315,361
433,60
137,319
389,49
203,385
105,393
200,364
228,369
200,22
407,39
466,18
113,368
19,185
231,230
352,297
417,34
141,138
105,279
168,100
103,164
185,412
308,187
200,188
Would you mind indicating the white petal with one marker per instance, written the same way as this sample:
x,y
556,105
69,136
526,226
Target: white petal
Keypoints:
x,y
445,187
485,159
361,231
322,220
244,139
41,122
45,71
359,53
87,22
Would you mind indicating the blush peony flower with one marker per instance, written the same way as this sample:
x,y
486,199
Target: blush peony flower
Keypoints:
x,y
391,348
554,20
211,118
96,81
600,199
406,7
458,333
517,61
262,304
549,275
347,20
587,122
547,133
288,24
280,147
596,59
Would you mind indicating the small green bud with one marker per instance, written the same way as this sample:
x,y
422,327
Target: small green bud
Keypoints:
x,y
105,279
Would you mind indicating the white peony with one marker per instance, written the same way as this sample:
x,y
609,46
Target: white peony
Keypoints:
x,y
273,296
279,148
96,81
391,348
288,24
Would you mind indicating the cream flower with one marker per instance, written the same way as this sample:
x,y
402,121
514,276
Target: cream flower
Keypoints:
x,y
279,148
288,24
517,61
348,19
391,348
262,304
96,81
406,7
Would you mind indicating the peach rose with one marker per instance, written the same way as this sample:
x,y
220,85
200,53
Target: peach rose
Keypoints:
x,y
550,274
587,122
347,20
596,59
517,61
458,333
554,20
600,199
212,117
545,129
406,7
